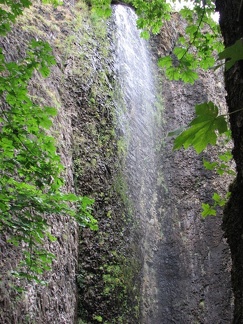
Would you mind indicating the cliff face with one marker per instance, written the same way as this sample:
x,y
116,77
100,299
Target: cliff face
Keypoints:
x,y
186,262
91,276
193,259
55,302
97,275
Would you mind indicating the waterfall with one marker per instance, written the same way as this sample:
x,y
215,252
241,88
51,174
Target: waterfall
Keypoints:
x,y
180,278
136,109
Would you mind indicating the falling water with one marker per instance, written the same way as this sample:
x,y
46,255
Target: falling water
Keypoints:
x,y
179,277
135,73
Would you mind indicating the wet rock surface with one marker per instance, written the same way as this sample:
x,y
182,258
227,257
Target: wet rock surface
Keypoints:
x,y
193,260
183,265
95,273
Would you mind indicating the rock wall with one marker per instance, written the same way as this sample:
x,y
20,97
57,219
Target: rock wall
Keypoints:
x,y
93,277
97,275
68,29
193,259
55,302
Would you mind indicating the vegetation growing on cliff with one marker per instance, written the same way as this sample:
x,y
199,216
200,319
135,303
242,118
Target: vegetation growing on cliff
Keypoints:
x,y
31,169
107,269
81,86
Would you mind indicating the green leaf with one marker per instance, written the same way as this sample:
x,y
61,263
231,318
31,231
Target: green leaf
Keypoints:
x,y
218,200
179,52
186,13
189,76
206,109
207,62
70,197
177,131
54,2
45,122
232,54
44,70
31,182
207,210
173,73
202,129
209,165
165,62
226,157
199,136
145,34
51,237
221,124
50,111
191,30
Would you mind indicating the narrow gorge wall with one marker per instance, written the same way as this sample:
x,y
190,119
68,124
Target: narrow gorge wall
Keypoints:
x,y
185,260
181,272
93,277
193,259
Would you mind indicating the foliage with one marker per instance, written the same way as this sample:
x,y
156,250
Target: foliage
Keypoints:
x,y
9,11
31,182
113,278
232,54
224,163
197,47
151,15
202,129
98,318
101,8
210,210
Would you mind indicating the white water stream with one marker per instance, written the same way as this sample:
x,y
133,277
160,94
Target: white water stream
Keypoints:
x,y
137,112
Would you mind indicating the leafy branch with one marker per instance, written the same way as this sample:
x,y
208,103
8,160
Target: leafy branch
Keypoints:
x,y
191,43
218,201
31,182
196,48
202,129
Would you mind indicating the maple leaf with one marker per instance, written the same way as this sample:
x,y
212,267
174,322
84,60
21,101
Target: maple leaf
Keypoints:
x,y
232,54
202,129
